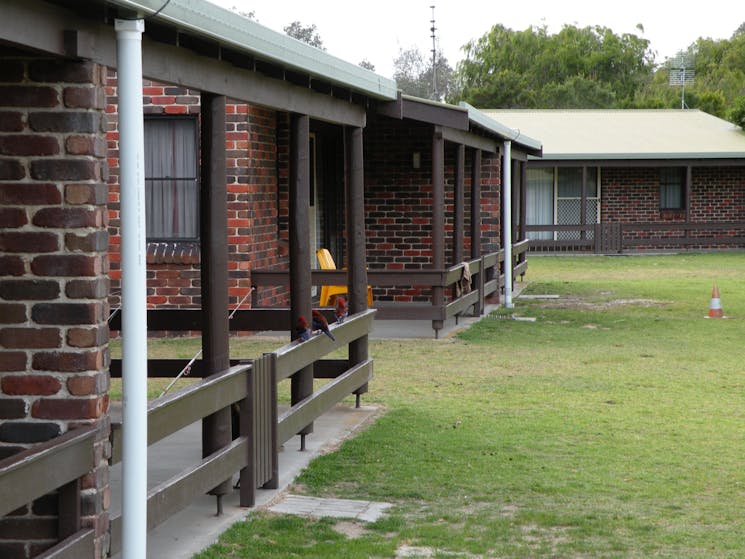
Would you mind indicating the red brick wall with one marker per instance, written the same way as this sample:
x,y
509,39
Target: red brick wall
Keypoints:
x,y
256,199
173,267
398,202
632,195
718,194
53,285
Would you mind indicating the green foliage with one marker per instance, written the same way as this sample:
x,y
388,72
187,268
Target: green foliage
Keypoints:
x,y
577,67
737,113
592,67
413,74
719,79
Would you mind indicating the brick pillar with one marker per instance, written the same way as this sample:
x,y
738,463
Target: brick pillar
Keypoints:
x,y
53,280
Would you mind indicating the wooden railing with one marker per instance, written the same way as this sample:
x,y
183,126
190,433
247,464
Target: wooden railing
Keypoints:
x,y
253,386
610,238
487,275
58,465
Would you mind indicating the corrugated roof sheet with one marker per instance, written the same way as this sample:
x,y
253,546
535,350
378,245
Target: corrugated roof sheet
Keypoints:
x,y
627,134
224,26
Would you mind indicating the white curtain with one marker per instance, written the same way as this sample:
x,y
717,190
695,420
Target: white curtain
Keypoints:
x,y
172,196
540,201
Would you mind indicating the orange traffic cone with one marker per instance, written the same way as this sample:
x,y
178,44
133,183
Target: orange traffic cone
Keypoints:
x,y
715,306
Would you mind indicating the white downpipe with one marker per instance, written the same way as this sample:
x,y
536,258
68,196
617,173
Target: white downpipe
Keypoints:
x,y
507,222
134,295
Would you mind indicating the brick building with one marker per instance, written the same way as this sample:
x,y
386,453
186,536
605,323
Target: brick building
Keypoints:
x,y
258,149
398,195
53,278
612,181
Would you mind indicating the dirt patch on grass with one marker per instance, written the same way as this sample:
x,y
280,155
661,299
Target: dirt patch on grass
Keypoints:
x,y
577,303
350,529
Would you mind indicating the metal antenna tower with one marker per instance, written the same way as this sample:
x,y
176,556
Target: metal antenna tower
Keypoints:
x,y
682,73
435,95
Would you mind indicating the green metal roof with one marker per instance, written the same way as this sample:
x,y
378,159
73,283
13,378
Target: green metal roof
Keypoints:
x,y
205,19
627,134
496,126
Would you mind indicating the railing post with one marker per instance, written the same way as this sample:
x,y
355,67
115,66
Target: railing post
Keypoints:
x,y
271,378
494,273
479,306
68,499
247,408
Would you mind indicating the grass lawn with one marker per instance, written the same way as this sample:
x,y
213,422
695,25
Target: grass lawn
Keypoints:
x,y
611,427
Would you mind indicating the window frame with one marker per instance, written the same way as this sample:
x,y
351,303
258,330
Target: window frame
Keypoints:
x,y
195,179
665,175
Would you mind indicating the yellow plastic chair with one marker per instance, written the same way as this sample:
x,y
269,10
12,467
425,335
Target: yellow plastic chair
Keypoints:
x,y
329,292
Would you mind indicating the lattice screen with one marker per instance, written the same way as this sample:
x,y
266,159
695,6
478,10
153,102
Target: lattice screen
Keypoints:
x,y
569,211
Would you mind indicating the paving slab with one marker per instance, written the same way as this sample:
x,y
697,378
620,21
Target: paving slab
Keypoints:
x,y
367,511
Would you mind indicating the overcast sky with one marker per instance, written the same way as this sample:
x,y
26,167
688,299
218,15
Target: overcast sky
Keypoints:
x,y
377,29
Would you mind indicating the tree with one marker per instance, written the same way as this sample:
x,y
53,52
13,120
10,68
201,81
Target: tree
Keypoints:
x,y
367,65
306,33
737,112
719,79
413,74
577,67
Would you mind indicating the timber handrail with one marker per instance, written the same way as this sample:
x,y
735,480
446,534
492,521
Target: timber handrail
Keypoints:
x,y
36,471
57,464
614,237
252,384
486,271
177,410
294,356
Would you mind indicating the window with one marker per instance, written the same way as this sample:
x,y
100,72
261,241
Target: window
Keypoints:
x,y
554,196
171,185
672,189
539,206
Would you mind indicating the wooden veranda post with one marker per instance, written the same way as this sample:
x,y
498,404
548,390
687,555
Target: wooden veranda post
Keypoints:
x,y
357,270
458,202
299,232
438,218
523,210
687,201
583,204
517,185
216,428
523,199
478,279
